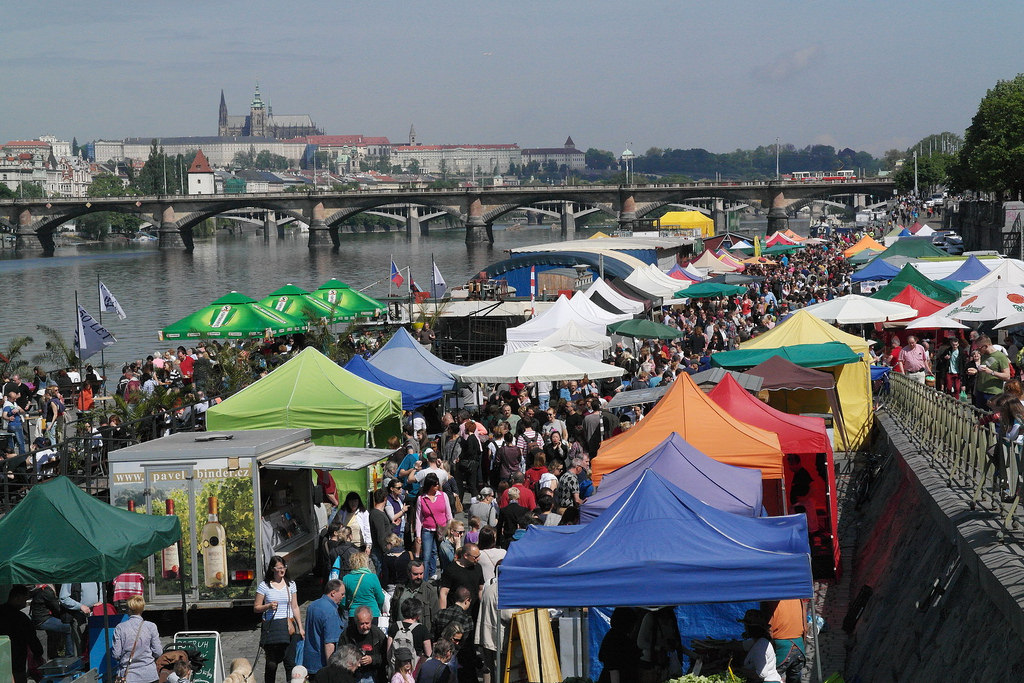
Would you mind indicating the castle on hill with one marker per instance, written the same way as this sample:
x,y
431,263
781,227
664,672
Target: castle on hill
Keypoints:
x,y
261,122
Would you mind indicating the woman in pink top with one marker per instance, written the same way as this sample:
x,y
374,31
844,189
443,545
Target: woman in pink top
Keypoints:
x,y
432,513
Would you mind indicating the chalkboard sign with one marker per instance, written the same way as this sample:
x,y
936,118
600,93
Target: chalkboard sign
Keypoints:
x,y
208,645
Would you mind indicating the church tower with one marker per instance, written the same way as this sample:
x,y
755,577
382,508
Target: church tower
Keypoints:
x,y
412,136
222,119
257,115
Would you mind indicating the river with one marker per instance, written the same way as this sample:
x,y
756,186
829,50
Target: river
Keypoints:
x,y
156,287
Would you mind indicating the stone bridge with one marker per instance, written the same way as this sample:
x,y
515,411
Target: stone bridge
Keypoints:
x,y
33,221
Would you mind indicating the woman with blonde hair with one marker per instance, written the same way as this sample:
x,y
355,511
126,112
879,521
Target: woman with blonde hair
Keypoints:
x,y
136,645
362,587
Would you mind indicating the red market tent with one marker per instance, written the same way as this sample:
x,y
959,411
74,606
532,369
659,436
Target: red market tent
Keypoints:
x,y
809,468
911,296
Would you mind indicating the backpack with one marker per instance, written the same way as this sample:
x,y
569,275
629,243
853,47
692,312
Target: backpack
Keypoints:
x,y
403,638
340,566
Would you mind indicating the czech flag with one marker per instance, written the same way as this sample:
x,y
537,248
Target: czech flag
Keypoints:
x,y
396,275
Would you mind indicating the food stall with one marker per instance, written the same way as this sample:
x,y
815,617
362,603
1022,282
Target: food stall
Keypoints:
x,y
242,496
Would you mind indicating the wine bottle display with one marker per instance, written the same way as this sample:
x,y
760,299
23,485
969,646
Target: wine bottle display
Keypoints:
x,y
215,559
169,562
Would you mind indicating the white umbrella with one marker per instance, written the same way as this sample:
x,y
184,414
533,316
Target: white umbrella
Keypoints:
x,y
936,321
990,303
536,364
1011,321
854,309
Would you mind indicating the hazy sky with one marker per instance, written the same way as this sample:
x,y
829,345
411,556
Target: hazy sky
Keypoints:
x,y
714,74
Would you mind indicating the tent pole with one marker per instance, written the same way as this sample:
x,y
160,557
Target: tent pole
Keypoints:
x,y
540,657
108,677
815,633
181,584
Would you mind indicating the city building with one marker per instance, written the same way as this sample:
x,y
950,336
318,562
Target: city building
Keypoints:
x,y
487,160
262,123
25,161
567,155
200,176
346,151
219,151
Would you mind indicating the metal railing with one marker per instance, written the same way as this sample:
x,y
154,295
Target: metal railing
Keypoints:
x,y
963,445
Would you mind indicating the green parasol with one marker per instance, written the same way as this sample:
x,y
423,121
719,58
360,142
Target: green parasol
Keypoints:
x,y
644,329
705,290
233,316
337,293
297,302
781,249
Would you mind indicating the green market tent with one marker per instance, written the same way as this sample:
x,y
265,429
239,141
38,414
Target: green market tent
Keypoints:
x,y
781,249
644,329
913,247
312,391
337,293
297,302
60,534
957,285
233,316
824,355
704,290
911,276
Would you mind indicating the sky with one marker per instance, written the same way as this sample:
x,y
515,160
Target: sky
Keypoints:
x,y
719,75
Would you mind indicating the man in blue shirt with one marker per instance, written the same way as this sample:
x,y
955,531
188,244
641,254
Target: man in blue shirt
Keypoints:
x,y
13,420
323,627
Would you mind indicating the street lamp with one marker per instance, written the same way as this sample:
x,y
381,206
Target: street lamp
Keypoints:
x,y
776,158
627,162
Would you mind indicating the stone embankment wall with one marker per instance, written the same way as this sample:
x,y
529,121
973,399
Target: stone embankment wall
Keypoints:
x,y
913,531
980,223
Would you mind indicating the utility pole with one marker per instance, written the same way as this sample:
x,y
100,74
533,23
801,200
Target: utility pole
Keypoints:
x,y
915,174
776,158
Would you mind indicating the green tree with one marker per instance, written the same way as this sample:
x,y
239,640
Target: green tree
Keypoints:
x,y
599,159
97,225
266,161
414,167
75,149
57,352
932,172
245,159
992,157
11,361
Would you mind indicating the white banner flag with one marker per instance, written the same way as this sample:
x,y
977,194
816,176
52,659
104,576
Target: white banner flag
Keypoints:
x,y
439,286
109,303
90,336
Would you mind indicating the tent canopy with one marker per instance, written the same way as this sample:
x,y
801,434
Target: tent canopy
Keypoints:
x,y
913,247
233,316
971,270
682,220
1009,271
866,242
779,373
708,261
641,328
655,283
915,299
701,422
582,341
823,355
853,384
733,489
910,275
347,300
312,391
589,310
704,290
536,364
298,302
60,534
710,556
414,394
547,323
616,299
878,269
407,359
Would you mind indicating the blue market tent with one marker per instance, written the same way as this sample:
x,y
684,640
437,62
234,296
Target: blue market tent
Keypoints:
x,y
879,269
971,270
692,552
733,489
405,358
414,394
905,233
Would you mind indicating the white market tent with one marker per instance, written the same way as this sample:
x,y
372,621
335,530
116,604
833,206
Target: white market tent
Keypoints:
x,y
712,264
546,324
656,283
582,304
536,364
614,298
577,340
925,231
693,273
1007,272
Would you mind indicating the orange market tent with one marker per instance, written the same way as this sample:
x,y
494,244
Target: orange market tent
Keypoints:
x,y
866,242
706,426
793,236
853,380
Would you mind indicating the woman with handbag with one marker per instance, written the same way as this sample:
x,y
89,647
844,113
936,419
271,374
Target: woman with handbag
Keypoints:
x,y
136,646
362,587
433,512
281,626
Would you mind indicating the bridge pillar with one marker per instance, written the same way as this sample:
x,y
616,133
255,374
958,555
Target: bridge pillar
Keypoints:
x,y
269,225
568,221
719,216
168,234
25,239
477,231
318,233
778,219
413,228
627,212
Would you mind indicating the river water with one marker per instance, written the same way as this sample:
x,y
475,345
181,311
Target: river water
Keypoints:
x,y
156,287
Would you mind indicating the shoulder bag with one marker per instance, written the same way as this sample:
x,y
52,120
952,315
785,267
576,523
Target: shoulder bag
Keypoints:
x,y
123,677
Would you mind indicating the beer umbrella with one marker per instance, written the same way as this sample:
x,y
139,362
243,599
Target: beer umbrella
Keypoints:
x,y
298,302
991,303
854,309
644,329
704,290
233,316
347,300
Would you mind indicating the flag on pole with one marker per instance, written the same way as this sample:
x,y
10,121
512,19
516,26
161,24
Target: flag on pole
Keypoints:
x,y
396,275
109,303
757,247
533,290
438,285
90,336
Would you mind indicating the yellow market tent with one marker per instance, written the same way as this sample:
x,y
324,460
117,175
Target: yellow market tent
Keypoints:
x,y
866,242
853,381
598,236
683,220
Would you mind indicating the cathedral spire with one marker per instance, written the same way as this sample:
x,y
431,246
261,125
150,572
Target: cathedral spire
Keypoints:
x,y
412,136
222,118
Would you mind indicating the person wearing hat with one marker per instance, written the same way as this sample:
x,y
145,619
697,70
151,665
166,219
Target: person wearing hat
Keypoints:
x,y
756,647
403,666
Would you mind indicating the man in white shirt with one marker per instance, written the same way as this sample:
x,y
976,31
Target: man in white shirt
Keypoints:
x,y
433,465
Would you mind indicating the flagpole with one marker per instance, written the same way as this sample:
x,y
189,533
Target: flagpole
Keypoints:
x,y
78,325
409,268
433,284
103,359
389,275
